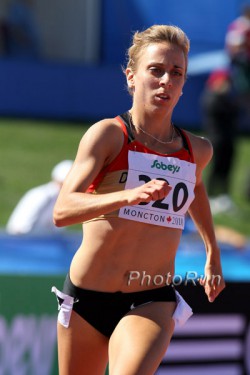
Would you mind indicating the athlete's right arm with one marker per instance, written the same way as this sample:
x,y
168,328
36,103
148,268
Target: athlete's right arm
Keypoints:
x,y
98,147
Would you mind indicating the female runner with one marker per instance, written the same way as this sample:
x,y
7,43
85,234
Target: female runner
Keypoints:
x,y
134,178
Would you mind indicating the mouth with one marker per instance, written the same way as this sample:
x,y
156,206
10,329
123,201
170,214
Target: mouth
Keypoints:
x,y
163,96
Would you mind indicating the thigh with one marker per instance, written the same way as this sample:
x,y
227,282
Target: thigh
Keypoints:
x,y
141,338
82,350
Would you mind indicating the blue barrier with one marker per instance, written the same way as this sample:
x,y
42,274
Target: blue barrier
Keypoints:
x,y
79,92
51,255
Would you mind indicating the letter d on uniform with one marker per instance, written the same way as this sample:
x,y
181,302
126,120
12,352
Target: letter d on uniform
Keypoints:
x,y
123,178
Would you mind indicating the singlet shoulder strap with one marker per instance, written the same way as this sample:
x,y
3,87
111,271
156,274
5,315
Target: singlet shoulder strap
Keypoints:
x,y
126,121
186,142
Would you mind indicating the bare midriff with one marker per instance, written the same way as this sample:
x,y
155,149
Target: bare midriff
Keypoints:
x,y
123,255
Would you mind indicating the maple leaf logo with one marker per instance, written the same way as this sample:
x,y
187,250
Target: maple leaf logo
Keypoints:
x,y
169,218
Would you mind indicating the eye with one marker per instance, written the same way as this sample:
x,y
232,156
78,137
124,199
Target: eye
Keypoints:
x,y
177,73
156,70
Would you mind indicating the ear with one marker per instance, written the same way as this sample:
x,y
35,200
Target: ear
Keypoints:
x,y
130,78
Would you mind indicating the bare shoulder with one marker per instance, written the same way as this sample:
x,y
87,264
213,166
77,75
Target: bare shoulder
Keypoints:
x,y
104,133
202,149
107,128
100,144
103,140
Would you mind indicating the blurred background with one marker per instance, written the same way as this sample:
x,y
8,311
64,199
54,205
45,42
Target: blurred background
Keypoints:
x,y
60,71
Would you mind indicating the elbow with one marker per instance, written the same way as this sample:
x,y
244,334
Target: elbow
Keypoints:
x,y
59,218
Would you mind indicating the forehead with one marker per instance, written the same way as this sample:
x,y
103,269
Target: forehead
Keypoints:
x,y
162,53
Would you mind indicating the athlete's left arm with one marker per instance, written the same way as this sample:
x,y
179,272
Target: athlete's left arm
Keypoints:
x,y
201,215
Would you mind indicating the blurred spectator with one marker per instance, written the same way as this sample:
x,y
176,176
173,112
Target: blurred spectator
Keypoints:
x,y
238,48
236,33
33,213
3,27
23,34
220,114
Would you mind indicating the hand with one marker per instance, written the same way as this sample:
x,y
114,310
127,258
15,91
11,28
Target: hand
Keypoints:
x,y
151,191
213,282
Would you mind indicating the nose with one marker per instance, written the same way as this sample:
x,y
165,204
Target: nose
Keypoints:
x,y
166,80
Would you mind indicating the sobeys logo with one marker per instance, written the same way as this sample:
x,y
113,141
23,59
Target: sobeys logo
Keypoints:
x,y
172,168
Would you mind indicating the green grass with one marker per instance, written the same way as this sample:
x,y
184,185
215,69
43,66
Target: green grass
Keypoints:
x,y
239,219
29,150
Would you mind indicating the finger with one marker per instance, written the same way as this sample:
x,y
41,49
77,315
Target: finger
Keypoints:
x,y
210,292
160,191
162,183
159,182
211,296
168,188
209,288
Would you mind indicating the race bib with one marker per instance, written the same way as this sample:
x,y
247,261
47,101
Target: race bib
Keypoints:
x,y
167,212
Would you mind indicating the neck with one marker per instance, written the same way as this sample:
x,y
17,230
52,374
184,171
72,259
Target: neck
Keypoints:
x,y
144,116
156,136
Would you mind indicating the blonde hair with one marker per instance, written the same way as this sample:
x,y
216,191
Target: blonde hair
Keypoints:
x,y
156,34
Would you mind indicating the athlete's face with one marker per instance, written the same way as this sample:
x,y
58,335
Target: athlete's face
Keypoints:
x,y
159,77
